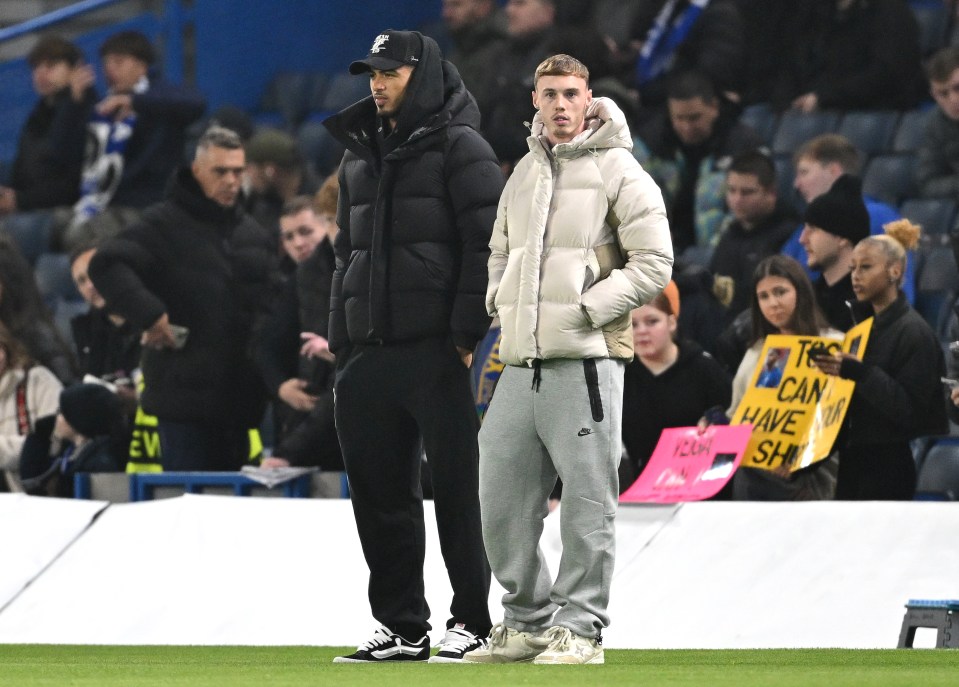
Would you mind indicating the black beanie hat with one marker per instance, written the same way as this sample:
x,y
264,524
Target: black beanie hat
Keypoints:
x,y
841,210
91,409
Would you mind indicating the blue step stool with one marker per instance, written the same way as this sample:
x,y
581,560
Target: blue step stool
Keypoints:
x,y
936,613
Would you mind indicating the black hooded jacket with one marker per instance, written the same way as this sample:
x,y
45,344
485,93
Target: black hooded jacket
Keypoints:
x,y
210,269
416,210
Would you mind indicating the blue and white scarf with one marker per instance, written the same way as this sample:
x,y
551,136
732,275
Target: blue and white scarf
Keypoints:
x,y
664,38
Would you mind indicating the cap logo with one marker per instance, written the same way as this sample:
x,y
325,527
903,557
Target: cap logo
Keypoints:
x,y
379,43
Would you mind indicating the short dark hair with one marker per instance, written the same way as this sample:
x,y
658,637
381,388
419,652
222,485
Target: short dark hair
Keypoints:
x,y
218,137
132,43
757,163
828,148
54,49
81,248
942,64
691,84
296,205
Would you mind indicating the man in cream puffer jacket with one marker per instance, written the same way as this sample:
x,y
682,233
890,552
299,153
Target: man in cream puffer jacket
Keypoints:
x,y
580,239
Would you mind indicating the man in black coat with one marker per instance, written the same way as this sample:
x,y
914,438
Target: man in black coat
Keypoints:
x,y
194,274
418,193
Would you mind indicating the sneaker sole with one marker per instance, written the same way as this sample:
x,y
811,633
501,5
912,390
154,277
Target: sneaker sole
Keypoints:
x,y
498,659
444,659
344,659
599,659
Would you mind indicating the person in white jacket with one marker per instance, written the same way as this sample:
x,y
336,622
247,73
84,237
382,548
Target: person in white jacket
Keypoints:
x,y
580,239
27,393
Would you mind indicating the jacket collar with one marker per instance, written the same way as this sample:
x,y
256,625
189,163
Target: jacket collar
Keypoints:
x,y
606,127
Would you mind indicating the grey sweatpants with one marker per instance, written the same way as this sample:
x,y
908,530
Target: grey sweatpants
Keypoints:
x,y
570,427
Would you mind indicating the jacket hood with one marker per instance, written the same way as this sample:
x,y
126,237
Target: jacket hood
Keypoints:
x,y
606,127
435,97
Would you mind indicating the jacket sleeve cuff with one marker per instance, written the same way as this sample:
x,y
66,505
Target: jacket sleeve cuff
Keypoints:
x,y
853,369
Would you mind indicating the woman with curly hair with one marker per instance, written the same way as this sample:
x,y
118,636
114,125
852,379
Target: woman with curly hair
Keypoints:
x,y
898,395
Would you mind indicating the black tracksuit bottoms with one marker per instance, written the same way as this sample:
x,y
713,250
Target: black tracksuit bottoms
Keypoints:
x,y
387,397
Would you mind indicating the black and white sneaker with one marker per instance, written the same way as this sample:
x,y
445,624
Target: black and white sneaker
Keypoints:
x,y
456,643
386,646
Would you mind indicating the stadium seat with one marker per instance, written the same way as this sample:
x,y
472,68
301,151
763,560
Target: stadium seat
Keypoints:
x,y
933,20
910,131
937,283
795,128
31,231
785,174
938,478
762,118
936,216
52,272
344,89
319,147
870,131
284,102
890,178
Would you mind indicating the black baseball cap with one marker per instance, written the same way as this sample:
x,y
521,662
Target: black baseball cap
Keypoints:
x,y
391,49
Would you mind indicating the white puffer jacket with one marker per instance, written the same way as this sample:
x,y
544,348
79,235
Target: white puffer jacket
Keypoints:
x,y
580,239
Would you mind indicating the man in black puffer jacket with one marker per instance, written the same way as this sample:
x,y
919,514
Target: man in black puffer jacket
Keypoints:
x,y
195,261
418,194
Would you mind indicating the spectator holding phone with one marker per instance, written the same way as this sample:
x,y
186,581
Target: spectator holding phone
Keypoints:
x,y
293,353
898,394
196,261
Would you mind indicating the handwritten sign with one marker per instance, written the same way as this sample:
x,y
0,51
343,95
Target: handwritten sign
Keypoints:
x,y
688,465
796,411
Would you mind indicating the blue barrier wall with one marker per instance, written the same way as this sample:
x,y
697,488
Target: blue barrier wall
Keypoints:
x,y
240,45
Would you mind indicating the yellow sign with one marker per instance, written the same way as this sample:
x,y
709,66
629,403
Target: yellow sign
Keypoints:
x,y
796,410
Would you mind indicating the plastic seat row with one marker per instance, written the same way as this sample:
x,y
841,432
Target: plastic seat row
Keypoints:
x,y
871,131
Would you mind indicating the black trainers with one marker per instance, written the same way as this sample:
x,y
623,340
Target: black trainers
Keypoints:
x,y
456,643
386,646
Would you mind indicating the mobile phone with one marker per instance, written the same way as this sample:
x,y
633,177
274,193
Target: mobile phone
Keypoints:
x,y
951,383
818,350
180,335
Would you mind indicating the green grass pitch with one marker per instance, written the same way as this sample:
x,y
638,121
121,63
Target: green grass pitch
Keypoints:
x,y
104,666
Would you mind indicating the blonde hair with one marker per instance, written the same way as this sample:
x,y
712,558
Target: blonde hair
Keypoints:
x,y
561,65
901,236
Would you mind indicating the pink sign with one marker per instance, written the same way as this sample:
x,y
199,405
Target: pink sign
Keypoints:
x,y
689,466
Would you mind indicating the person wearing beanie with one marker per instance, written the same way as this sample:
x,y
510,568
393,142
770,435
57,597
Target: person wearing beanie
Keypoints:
x,y
275,175
819,162
898,395
833,224
86,435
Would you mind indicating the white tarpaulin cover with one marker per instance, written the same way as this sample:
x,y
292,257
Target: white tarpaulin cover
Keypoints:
x,y
34,532
258,571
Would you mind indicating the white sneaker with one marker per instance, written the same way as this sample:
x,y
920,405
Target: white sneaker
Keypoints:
x,y
457,642
506,645
566,647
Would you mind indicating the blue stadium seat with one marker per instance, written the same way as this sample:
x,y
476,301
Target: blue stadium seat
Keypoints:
x,y
785,174
870,131
284,102
319,147
52,273
937,283
938,477
933,20
31,231
344,89
936,216
890,178
795,128
762,118
910,131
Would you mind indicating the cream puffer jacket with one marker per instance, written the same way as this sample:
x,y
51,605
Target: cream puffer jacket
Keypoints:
x,y
580,239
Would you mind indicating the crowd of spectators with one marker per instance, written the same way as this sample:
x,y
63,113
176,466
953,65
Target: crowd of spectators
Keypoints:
x,y
250,302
